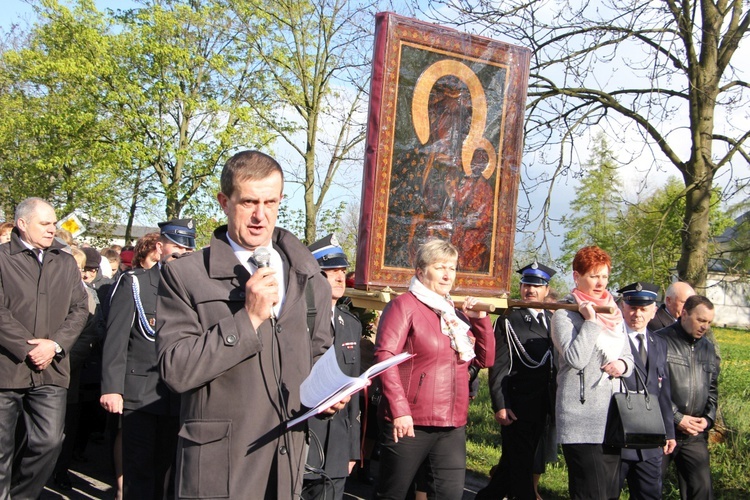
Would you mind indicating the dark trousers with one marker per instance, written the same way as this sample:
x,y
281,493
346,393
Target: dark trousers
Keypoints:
x,y
593,471
693,469
643,476
72,414
43,411
443,449
149,444
514,476
324,488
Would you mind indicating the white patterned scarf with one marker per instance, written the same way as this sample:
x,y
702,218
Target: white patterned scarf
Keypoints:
x,y
450,324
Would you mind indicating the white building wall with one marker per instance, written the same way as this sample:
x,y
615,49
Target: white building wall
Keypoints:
x,y
731,297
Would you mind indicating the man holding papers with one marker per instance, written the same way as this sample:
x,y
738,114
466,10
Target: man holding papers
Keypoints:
x,y
334,442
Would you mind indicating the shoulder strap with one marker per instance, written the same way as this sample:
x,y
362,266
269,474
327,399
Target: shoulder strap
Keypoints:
x,y
311,311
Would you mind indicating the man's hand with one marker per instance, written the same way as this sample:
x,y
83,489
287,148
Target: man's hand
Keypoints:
x,y
692,426
352,464
261,294
111,402
505,416
670,446
402,427
42,354
337,407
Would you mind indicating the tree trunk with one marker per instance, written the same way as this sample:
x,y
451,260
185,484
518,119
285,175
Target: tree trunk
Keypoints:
x,y
692,266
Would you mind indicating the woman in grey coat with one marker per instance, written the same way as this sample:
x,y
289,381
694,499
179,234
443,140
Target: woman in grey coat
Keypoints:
x,y
593,352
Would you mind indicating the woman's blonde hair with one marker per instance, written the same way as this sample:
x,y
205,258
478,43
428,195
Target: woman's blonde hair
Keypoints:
x,y
79,256
433,251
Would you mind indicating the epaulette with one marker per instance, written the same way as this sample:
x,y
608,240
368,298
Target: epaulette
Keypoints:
x,y
345,310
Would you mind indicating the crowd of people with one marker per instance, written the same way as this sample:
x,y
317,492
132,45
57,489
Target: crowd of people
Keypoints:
x,y
190,362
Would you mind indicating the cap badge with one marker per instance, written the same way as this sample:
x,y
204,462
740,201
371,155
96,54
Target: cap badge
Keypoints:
x,y
535,265
638,287
190,224
334,241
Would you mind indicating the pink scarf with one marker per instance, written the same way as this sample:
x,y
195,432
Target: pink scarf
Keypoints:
x,y
609,321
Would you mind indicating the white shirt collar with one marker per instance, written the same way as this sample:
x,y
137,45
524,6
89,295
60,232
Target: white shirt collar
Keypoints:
x,y
632,334
40,256
243,255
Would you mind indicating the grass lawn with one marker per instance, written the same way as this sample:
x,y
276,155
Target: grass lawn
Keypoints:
x,y
730,458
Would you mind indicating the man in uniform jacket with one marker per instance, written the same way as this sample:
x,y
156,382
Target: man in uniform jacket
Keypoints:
x,y
233,340
522,387
131,384
642,468
694,373
334,442
43,308
674,299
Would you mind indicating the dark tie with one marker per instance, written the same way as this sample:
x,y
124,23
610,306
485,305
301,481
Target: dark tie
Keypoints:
x,y
540,319
642,348
37,253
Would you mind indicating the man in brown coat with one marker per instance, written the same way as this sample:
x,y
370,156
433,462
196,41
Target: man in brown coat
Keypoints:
x,y
43,308
232,338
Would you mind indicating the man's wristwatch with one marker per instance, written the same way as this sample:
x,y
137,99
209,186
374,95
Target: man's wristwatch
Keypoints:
x,y
58,349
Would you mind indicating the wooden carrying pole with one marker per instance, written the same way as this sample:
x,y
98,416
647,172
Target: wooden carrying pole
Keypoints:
x,y
519,304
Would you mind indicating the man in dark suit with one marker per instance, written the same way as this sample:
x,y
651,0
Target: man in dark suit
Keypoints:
x,y
130,376
522,386
642,468
43,308
671,309
236,340
334,442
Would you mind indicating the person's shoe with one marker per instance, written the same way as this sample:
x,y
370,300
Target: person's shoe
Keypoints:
x,y
62,481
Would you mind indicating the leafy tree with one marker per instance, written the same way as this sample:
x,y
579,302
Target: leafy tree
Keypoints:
x,y
52,128
183,95
316,81
596,206
649,237
659,71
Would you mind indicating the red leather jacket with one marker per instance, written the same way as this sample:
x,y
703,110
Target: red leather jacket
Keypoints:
x,y
433,386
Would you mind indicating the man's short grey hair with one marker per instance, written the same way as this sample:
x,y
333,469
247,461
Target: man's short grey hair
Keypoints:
x,y
434,251
27,207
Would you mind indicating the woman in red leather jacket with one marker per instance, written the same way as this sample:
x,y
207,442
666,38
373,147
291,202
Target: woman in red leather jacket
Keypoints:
x,y
426,399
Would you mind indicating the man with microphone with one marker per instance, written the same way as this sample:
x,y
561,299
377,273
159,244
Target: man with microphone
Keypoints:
x,y
234,338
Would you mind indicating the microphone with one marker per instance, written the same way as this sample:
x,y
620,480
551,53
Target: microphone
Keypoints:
x,y
262,258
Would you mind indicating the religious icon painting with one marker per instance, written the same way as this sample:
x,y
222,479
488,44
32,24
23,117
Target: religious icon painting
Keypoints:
x,y
443,154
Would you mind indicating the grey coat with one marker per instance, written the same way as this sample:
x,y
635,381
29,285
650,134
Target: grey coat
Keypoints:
x,y
575,343
239,385
38,302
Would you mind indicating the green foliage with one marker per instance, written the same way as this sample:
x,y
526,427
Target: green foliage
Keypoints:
x,y
183,94
310,52
643,237
649,235
52,129
596,206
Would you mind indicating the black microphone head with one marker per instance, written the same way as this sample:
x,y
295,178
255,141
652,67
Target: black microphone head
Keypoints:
x,y
262,257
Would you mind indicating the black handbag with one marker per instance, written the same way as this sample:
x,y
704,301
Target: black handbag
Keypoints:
x,y
634,419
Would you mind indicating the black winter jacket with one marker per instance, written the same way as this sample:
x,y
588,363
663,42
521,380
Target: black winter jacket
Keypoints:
x,y
694,373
